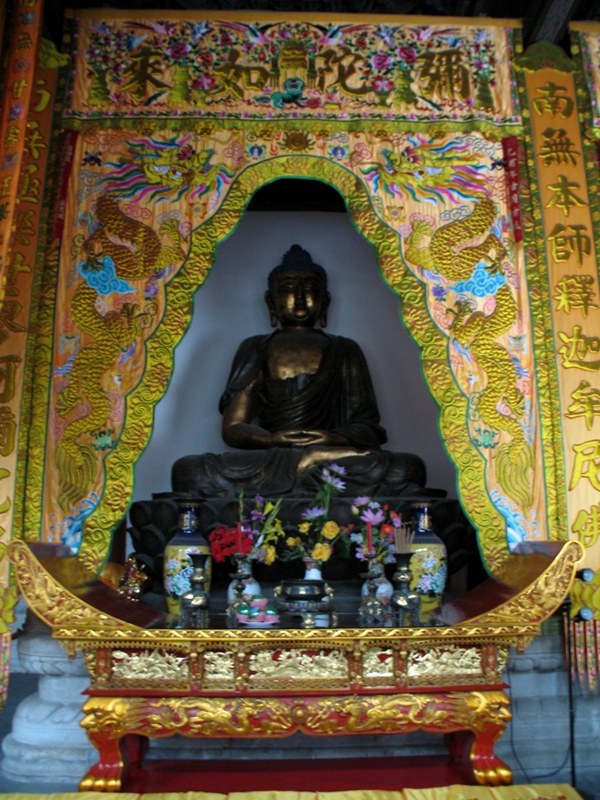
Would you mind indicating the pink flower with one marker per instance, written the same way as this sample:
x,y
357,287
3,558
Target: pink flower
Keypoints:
x,y
374,516
381,84
381,61
178,50
407,54
205,81
314,102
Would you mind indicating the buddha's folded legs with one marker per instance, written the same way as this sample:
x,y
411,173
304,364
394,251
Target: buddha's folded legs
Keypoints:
x,y
277,472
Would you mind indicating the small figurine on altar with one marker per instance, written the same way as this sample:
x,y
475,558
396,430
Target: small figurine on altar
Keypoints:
x,y
133,579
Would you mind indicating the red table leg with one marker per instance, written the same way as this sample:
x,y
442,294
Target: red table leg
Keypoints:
x,y
111,769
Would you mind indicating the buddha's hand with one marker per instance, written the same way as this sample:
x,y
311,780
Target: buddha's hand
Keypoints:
x,y
308,438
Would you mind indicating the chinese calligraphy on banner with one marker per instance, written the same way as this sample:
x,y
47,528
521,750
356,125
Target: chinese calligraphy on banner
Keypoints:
x,y
13,123
574,294
15,384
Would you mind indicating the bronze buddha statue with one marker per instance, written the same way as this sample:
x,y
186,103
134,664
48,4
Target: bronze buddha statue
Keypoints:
x,y
295,399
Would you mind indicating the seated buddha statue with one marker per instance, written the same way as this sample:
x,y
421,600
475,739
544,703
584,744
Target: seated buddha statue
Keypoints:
x,y
295,399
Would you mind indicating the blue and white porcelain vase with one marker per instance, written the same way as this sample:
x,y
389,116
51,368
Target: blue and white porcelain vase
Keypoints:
x,y
178,567
429,563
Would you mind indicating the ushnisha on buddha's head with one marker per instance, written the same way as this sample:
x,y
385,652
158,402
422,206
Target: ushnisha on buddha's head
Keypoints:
x,y
297,296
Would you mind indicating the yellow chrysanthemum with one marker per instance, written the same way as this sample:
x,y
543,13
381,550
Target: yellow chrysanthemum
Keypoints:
x,y
330,530
269,554
321,552
303,527
292,541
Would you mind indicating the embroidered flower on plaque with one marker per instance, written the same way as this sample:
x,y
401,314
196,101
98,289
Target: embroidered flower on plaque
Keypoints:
x,y
381,84
178,50
381,61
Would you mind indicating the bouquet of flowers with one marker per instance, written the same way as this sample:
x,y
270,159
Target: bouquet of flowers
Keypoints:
x,y
254,535
317,533
377,534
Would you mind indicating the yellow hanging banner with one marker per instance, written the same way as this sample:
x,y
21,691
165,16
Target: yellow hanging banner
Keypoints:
x,y
17,95
15,375
574,294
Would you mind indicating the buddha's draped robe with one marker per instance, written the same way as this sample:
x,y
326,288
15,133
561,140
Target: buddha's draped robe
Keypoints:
x,y
339,398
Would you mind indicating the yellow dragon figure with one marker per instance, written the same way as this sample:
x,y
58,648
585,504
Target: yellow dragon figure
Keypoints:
x,y
137,253
426,169
449,252
453,252
479,332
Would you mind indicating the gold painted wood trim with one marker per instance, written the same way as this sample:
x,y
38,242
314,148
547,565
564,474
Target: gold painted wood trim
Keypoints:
x,y
297,16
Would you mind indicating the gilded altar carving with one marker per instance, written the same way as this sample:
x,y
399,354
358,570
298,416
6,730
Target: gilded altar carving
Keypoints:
x,y
108,719
149,665
239,668
300,667
542,597
445,663
250,716
50,600
378,663
219,669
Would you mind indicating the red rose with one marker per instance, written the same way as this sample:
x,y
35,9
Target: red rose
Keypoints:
x,y
407,54
381,61
178,50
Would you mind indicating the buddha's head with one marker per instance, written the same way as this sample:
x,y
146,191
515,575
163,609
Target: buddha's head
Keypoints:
x,y
297,296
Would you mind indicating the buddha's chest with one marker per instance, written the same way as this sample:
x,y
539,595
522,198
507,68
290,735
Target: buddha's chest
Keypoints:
x,y
292,354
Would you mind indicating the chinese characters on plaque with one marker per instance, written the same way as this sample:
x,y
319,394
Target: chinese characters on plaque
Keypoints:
x,y
573,296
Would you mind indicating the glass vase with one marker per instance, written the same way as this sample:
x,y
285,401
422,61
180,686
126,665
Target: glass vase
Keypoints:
x,y
178,567
429,562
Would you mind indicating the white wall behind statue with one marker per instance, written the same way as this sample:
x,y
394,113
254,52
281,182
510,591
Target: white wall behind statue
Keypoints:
x,y
230,306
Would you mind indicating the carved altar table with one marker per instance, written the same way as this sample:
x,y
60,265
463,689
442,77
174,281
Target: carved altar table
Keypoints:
x,y
151,681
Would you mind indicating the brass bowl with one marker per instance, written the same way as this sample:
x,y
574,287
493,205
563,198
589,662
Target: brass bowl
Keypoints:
x,y
312,591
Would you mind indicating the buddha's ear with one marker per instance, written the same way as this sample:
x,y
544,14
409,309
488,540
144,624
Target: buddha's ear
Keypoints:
x,y
271,306
324,308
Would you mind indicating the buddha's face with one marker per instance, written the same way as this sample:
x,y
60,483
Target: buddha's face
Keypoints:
x,y
299,299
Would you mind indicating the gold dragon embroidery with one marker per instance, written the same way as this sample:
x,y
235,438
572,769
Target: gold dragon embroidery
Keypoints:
x,y
137,253
453,251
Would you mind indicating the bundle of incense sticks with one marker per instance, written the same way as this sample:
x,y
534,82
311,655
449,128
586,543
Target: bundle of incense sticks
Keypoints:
x,y
403,539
